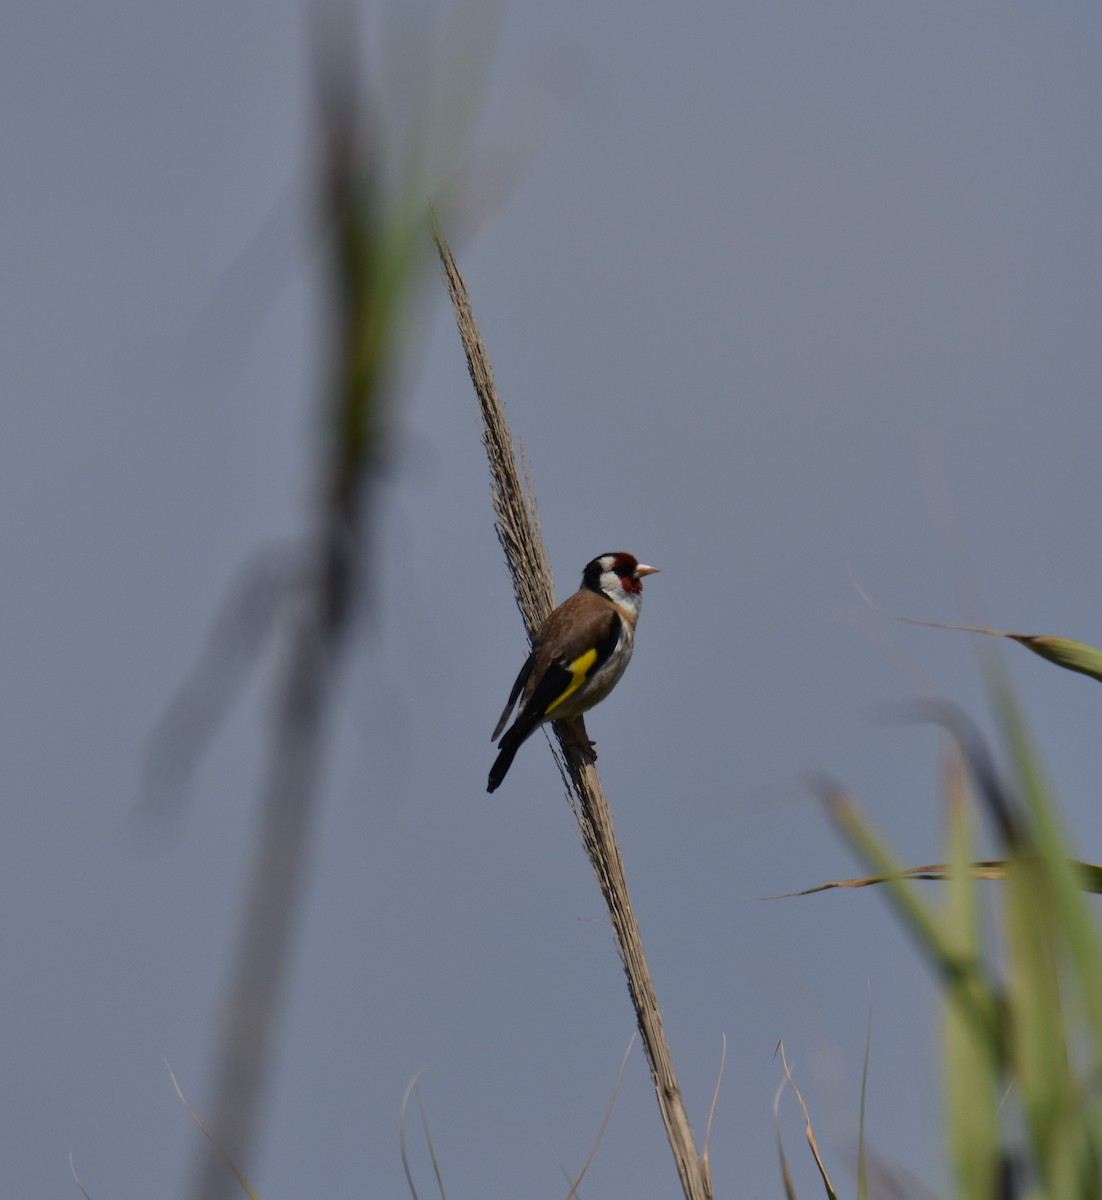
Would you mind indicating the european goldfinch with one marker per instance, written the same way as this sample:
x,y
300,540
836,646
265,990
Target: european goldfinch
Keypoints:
x,y
578,654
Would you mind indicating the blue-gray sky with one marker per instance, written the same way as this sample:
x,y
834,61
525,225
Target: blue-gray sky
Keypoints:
x,y
781,291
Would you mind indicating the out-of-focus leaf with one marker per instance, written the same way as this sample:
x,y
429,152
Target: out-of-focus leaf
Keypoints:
x,y
862,1157
1055,977
1038,1030
964,974
971,1077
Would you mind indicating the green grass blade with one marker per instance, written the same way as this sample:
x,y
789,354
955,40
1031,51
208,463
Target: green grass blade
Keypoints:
x,y
971,1076
862,1158
1063,876
970,987
1055,981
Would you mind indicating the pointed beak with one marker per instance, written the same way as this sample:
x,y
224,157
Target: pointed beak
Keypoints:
x,y
642,569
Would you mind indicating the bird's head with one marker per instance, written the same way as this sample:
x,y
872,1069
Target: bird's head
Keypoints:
x,y
619,576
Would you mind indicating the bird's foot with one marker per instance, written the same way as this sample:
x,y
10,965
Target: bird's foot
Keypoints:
x,y
581,741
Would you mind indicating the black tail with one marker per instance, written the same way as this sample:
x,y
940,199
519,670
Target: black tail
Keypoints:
x,y
502,764
508,747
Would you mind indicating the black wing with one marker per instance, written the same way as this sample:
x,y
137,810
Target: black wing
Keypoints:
x,y
518,687
563,678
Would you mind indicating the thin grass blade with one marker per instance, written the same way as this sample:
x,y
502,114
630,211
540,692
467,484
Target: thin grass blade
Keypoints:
x,y
971,1077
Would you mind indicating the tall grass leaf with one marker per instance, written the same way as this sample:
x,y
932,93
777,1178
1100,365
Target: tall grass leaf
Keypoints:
x,y
971,1077
575,1183
238,1174
978,999
1038,1031
76,1178
862,1159
1075,920
1056,975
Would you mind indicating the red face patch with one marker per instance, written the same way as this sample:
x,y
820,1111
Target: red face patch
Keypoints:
x,y
624,565
631,584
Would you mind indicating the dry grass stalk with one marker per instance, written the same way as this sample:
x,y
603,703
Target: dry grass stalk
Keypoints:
x,y
520,538
516,524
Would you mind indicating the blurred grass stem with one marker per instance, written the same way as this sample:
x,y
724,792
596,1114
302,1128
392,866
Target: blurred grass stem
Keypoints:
x,y
360,312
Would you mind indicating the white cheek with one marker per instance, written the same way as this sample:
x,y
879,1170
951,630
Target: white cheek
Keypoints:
x,y
618,594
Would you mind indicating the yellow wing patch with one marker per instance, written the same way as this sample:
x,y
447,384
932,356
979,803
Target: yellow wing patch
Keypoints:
x,y
578,669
